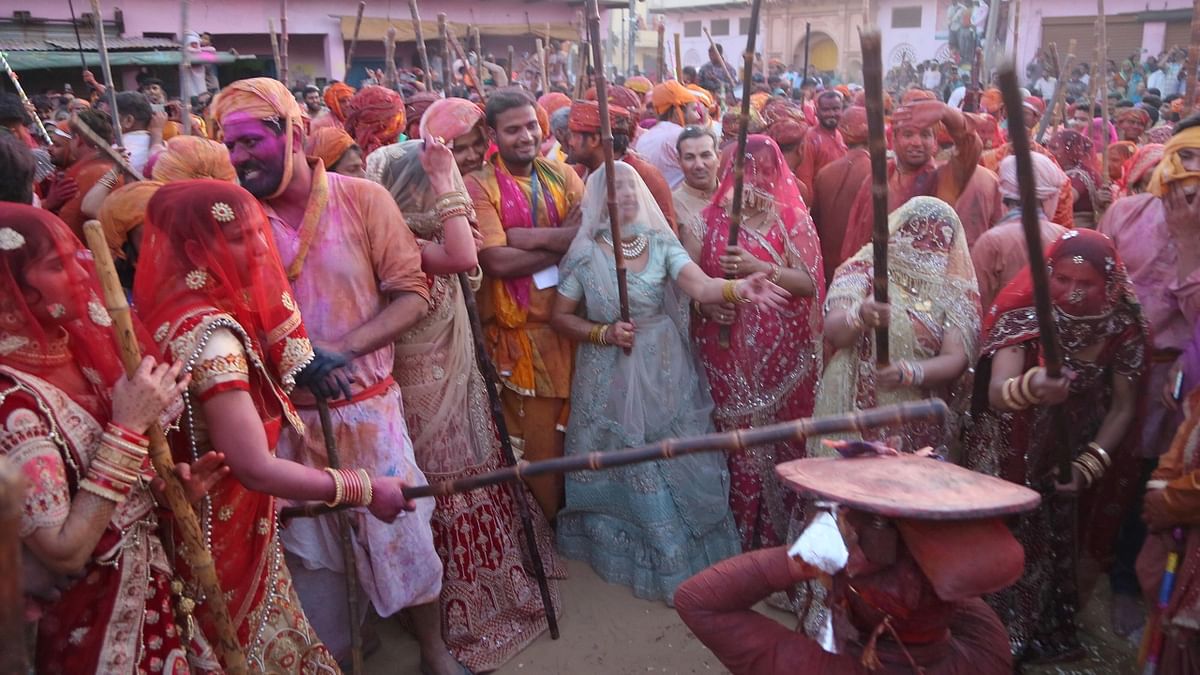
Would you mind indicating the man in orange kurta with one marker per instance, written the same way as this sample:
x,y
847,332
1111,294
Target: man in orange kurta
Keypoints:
x,y
85,165
527,210
914,171
823,144
837,184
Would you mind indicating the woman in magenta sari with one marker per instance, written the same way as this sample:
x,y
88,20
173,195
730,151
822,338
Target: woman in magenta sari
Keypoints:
x,y
769,369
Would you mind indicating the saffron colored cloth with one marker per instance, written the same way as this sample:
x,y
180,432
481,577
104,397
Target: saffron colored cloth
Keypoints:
x,y
717,605
123,211
374,118
86,171
821,147
980,205
357,256
188,157
833,198
1000,254
657,145
328,145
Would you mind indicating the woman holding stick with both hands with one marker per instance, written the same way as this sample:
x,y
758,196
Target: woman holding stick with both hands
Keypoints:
x,y
652,525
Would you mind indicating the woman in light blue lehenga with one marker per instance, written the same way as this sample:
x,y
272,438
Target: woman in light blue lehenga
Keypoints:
x,y
652,525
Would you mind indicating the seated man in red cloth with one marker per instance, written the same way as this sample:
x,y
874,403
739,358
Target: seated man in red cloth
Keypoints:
x,y
904,571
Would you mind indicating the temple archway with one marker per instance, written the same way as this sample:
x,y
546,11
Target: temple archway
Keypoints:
x,y
823,55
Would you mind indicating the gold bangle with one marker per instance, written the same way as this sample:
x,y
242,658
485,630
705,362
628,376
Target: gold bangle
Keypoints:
x,y
1084,471
727,292
339,488
776,273
1006,393
1027,386
368,488
1101,453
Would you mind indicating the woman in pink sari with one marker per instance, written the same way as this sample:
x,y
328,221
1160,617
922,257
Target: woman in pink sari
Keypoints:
x,y
769,367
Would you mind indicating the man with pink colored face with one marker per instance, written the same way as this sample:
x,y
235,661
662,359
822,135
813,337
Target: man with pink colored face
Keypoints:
x,y
355,270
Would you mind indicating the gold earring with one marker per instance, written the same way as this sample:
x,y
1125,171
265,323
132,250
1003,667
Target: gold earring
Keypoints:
x,y
196,279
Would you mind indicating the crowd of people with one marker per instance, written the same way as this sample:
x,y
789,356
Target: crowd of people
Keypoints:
x,y
345,268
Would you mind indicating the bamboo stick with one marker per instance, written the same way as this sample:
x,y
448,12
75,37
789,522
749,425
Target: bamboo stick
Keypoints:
x,y
475,82
447,70
345,532
185,69
738,440
1193,61
807,48
720,57
105,147
78,41
1102,73
581,74
1060,90
274,46
872,51
519,495
661,29
477,46
13,657
389,57
512,65
606,139
16,81
1016,4
422,53
283,43
541,57
678,60
194,550
739,157
106,71
354,39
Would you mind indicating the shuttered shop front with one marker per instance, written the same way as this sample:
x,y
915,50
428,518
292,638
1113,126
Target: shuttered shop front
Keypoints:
x,y
1124,36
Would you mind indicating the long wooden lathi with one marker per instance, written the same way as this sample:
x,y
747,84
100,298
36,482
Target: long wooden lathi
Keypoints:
x,y
274,46
354,39
447,70
419,34
1193,61
16,82
471,73
13,657
1060,89
1102,74
345,536
389,57
185,68
194,550
795,431
661,29
678,60
720,58
106,70
106,148
593,17
283,43
872,51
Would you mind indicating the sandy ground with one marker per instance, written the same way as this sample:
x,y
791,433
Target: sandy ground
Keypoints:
x,y
607,631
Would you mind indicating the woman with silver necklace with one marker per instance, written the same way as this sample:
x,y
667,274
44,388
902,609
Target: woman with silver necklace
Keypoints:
x,y
648,526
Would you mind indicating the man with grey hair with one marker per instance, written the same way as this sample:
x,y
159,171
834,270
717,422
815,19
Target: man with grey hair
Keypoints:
x,y
558,127
698,157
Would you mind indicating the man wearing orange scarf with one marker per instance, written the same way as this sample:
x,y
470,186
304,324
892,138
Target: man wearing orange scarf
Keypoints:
x,y
527,210
337,96
355,270
657,144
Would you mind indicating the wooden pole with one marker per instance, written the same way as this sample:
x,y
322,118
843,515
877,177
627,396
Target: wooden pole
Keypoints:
x,y
16,81
78,41
519,495
422,53
738,440
512,65
1060,89
1102,74
1193,61
475,82
389,57
662,50
275,47
807,49
185,69
477,46
1016,24
739,157
13,658
872,51
989,37
720,57
541,59
106,71
447,70
581,74
1094,83
194,549
345,534
593,11
106,148
283,43
354,39
678,60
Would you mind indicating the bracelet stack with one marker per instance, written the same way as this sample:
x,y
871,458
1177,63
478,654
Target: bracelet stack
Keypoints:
x,y
776,273
730,293
912,374
109,180
351,486
118,464
1018,391
599,335
1092,463
453,204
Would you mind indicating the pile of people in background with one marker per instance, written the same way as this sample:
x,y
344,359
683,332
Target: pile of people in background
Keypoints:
x,y
335,245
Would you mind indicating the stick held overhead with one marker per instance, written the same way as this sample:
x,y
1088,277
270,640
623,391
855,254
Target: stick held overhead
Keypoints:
x,y
872,51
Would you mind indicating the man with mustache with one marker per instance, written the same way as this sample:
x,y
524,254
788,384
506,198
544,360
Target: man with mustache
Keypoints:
x,y
356,273
527,210
823,144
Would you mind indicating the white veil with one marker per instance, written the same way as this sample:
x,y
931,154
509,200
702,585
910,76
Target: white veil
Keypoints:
x,y
649,220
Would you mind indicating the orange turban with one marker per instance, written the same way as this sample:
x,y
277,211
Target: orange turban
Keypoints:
x,y
853,125
844,91
913,95
585,118
860,99
123,211
758,100
334,95
704,97
189,157
1135,112
329,144
671,94
375,118
991,101
450,118
263,98
625,97
553,101
639,84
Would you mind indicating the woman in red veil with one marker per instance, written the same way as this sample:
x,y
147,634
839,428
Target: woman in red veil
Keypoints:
x,y
1104,340
210,282
769,369
73,424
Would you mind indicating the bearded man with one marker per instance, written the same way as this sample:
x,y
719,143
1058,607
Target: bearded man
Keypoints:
x,y
356,273
836,186
823,144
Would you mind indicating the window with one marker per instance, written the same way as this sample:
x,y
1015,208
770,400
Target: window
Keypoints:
x,y
719,27
906,17
691,29
744,25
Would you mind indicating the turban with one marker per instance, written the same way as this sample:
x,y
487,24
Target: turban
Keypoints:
x,y
787,132
991,100
328,144
758,100
704,97
1048,179
190,157
844,91
988,129
333,99
450,118
860,99
732,122
262,98
1119,153
853,125
375,118
1136,113
671,94
1171,168
914,95
1037,105
1138,167
416,105
625,97
585,118
639,84
555,100
124,211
